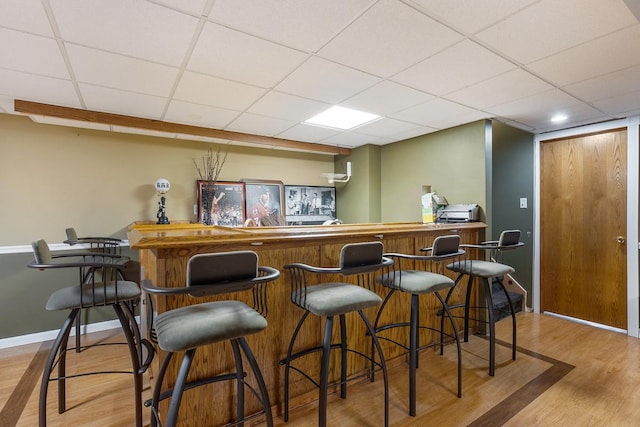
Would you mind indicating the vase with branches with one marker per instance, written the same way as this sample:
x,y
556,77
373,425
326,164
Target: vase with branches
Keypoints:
x,y
208,168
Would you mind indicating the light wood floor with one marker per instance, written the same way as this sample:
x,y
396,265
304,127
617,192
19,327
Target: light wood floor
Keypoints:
x,y
566,374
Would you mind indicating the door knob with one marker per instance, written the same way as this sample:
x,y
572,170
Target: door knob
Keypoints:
x,y
620,239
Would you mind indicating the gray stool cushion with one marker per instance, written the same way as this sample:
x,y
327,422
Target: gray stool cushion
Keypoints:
x,y
330,299
480,268
417,281
197,325
92,295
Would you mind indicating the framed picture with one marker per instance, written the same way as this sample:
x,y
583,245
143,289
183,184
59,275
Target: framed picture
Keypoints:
x,y
264,203
306,205
221,204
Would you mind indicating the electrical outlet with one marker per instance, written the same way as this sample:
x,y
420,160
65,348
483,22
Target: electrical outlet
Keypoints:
x,y
195,209
523,203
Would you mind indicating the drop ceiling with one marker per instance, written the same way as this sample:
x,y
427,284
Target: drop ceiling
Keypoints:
x,y
263,67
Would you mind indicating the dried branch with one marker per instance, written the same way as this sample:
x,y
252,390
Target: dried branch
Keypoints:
x,y
211,164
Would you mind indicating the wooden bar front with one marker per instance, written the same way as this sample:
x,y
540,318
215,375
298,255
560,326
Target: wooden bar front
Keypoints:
x,y
165,249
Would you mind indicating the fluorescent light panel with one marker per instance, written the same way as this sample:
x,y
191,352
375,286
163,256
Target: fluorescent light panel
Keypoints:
x,y
341,118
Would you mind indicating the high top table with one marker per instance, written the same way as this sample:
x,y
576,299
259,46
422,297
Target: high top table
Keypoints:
x,y
165,249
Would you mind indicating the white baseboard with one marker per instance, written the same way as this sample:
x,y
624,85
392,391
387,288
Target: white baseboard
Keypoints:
x,y
51,335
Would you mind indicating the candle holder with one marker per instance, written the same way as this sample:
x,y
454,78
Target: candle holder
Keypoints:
x,y
162,185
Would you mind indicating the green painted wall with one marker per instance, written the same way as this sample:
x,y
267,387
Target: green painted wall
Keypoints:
x,y
512,170
451,161
359,200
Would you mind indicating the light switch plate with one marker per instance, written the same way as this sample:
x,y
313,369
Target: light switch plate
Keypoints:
x,y
523,203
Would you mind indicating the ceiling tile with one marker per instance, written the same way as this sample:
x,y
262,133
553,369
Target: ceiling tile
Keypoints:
x,y
200,89
29,87
471,16
32,54
354,139
307,133
230,54
608,85
326,81
194,7
199,115
595,58
121,72
389,30
302,24
412,133
550,26
385,127
432,111
25,15
385,98
288,107
620,106
120,102
259,125
461,65
506,87
135,28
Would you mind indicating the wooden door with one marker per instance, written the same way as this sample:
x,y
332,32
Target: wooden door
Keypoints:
x,y
583,227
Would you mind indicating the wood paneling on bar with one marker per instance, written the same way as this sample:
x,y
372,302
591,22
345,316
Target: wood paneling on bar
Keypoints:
x,y
165,249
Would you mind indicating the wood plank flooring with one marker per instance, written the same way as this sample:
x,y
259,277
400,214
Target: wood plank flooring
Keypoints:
x,y
566,374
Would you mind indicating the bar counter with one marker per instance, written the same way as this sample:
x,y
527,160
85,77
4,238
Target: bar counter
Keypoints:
x,y
165,249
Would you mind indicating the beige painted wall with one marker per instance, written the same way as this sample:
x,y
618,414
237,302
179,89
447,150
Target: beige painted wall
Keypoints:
x,y
452,162
53,177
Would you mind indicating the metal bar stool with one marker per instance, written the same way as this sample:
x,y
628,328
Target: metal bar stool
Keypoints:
x,y
421,275
336,298
110,245
487,271
105,290
186,329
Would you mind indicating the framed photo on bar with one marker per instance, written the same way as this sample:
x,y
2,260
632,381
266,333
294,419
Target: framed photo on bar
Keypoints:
x,y
264,203
221,203
309,205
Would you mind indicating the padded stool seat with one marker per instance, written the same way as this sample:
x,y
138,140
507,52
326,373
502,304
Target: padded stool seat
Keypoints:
x,y
90,295
480,268
332,299
207,323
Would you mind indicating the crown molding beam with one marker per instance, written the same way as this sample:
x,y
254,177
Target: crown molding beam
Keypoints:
x,y
28,107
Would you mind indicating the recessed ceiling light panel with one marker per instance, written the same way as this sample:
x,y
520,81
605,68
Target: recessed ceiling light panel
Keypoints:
x,y
341,118
559,118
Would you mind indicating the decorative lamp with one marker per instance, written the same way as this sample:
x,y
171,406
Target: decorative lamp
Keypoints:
x,y
162,185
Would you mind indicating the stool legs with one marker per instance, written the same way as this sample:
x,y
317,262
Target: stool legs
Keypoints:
x,y
58,355
181,384
486,284
324,365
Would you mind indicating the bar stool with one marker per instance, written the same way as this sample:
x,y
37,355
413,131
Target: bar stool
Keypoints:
x,y
105,290
421,275
110,245
186,329
487,271
336,298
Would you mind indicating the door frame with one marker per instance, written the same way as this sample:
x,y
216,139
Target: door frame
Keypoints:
x,y
632,238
